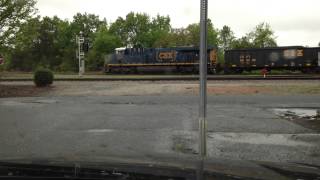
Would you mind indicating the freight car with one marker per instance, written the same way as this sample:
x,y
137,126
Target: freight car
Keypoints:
x,y
283,58
179,59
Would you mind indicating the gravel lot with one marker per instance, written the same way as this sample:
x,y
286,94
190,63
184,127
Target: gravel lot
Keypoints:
x,y
73,120
75,128
127,88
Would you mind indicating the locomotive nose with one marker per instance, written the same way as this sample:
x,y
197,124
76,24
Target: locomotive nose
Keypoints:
x,y
108,58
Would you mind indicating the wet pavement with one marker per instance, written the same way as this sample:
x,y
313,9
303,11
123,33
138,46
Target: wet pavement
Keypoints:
x,y
292,113
239,127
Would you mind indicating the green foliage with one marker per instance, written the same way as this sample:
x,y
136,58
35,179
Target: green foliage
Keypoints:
x,y
243,42
262,36
103,44
177,37
87,23
189,36
13,13
193,34
139,30
43,77
38,42
34,41
226,37
51,42
160,28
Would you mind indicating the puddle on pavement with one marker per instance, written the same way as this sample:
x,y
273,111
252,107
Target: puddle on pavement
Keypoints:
x,y
263,139
187,143
129,103
42,101
11,103
298,113
183,144
27,102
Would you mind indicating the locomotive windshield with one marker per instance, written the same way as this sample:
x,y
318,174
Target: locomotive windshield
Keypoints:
x,y
111,89
120,51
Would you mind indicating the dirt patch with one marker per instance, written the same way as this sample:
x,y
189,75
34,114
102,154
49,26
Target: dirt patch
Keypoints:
x,y
22,90
143,88
232,90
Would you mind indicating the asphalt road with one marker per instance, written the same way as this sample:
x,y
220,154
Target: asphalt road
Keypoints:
x,y
78,128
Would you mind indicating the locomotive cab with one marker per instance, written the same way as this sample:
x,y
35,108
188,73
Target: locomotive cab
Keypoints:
x,y
120,51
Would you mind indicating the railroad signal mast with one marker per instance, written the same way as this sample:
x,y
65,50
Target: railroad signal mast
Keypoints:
x,y
81,53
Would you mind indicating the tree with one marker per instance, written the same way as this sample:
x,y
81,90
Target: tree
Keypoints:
x,y
176,37
118,28
263,36
13,14
194,34
47,46
41,42
138,26
160,28
189,36
87,23
139,30
243,42
22,55
133,31
226,37
103,44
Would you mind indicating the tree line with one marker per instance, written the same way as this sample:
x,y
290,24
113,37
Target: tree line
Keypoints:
x,y
29,41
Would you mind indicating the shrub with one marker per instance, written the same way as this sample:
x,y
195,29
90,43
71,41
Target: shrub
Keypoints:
x,y
43,77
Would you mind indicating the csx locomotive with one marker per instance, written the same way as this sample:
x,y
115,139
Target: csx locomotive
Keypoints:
x,y
180,59
186,59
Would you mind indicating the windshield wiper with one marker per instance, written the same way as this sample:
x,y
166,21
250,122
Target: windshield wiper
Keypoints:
x,y
124,171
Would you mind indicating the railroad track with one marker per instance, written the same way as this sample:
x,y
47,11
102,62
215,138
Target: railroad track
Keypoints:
x,y
170,78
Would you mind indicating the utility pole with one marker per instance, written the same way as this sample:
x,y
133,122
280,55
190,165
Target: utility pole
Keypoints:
x,y
81,54
203,87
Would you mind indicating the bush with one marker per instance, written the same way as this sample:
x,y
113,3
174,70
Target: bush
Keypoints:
x,y
43,77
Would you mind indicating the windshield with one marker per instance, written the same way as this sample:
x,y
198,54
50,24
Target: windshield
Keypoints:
x,y
99,81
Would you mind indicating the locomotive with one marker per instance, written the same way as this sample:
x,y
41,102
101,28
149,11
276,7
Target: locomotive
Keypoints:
x,y
282,58
179,59
186,59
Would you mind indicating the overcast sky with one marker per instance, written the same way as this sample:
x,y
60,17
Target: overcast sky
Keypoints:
x,y
295,22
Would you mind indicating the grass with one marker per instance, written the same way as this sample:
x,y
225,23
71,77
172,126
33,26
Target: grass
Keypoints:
x,y
273,72
87,76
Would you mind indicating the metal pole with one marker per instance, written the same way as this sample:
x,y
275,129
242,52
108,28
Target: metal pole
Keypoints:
x,y
79,57
203,77
203,87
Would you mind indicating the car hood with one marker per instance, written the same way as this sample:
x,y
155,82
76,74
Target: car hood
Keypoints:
x,y
180,167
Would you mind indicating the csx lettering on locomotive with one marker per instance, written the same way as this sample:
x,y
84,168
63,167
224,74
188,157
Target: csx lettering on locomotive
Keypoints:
x,y
166,56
